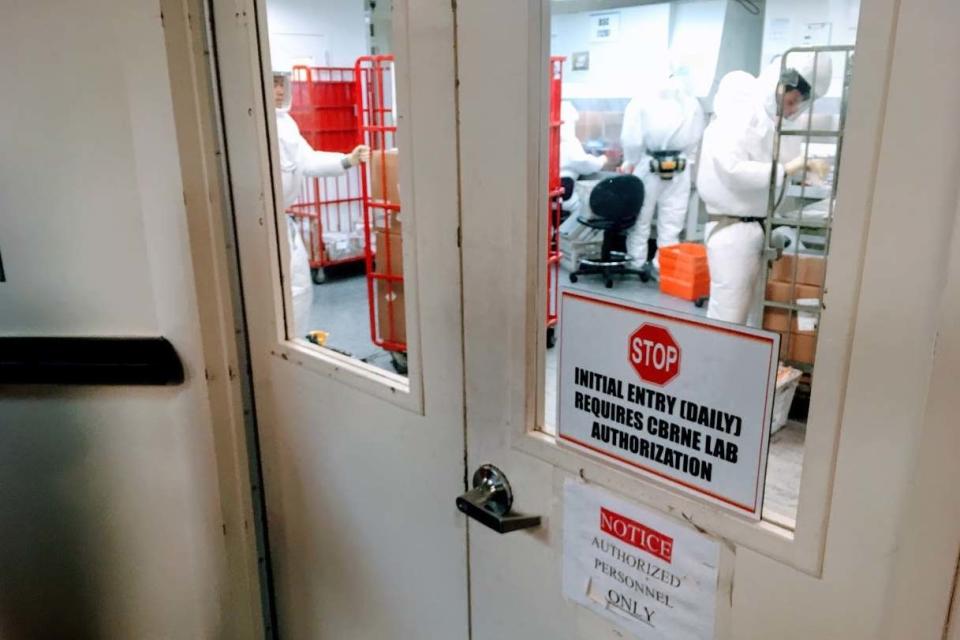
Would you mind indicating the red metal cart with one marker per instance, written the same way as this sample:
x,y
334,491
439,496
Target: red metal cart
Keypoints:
x,y
554,198
329,210
376,121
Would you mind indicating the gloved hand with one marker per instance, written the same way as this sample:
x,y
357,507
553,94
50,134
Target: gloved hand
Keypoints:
x,y
819,167
626,168
815,165
614,155
360,153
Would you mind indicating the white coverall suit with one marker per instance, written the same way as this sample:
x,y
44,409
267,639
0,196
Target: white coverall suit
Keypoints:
x,y
733,181
298,161
574,160
668,120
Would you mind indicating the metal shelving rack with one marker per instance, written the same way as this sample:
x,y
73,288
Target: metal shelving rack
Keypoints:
x,y
804,195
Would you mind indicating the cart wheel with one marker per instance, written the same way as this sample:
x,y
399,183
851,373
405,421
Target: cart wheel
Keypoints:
x,y
608,283
699,302
551,337
399,360
573,277
318,275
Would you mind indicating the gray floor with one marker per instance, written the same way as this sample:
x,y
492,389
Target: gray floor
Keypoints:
x,y
340,308
782,487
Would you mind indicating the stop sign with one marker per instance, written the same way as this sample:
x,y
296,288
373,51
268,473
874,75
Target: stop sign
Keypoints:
x,y
654,354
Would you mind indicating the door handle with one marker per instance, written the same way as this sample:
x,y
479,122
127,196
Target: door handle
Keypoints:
x,y
490,500
89,361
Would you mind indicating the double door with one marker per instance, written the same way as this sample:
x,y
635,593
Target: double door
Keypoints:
x,y
361,465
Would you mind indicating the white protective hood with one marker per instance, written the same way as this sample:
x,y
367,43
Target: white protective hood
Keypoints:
x,y
818,76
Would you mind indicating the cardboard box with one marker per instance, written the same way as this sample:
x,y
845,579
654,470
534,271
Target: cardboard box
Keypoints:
x,y
777,320
391,311
781,320
786,292
798,347
391,239
802,347
391,306
810,270
383,170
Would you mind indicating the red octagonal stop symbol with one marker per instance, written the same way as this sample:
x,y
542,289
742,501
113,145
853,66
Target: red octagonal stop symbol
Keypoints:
x,y
654,354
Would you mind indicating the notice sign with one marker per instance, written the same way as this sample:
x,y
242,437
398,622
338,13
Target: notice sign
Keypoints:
x,y
685,400
648,574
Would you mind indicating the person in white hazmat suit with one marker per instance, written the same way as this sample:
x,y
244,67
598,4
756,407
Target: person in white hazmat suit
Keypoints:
x,y
736,165
298,160
574,160
661,131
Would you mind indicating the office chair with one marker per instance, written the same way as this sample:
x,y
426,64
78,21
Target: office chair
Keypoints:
x,y
615,203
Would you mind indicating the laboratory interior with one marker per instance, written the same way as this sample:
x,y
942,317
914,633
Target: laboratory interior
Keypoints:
x,y
692,148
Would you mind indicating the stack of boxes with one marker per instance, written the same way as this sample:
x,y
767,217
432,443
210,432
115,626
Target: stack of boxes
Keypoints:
x,y
795,280
388,245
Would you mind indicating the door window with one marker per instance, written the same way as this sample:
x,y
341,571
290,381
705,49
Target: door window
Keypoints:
x,y
333,102
736,144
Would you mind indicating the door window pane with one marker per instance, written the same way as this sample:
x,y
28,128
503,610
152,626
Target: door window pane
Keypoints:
x,y
731,114
335,106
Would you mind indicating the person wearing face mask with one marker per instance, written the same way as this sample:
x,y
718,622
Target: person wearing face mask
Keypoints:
x,y
298,160
736,163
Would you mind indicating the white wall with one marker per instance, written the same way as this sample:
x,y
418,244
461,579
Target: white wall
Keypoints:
x,y
697,28
654,39
331,32
111,524
786,23
692,33
382,19
797,23
620,68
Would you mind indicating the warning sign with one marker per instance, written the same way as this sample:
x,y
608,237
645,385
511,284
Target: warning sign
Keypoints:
x,y
652,576
654,354
683,399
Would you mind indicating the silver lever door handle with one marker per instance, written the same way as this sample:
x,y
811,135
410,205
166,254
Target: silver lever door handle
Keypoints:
x,y
490,500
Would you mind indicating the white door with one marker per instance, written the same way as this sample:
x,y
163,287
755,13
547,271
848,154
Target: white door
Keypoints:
x,y
844,566
360,464
120,517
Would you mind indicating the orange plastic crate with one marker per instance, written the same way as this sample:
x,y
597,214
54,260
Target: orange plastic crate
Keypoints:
x,y
687,289
685,260
684,272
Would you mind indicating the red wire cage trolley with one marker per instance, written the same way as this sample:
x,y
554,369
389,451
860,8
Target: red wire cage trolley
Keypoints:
x,y
554,198
376,122
329,210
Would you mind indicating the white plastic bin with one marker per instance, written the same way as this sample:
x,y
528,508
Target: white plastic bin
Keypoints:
x,y
788,379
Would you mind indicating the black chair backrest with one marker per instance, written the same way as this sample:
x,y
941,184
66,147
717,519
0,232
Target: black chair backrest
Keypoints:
x,y
618,199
